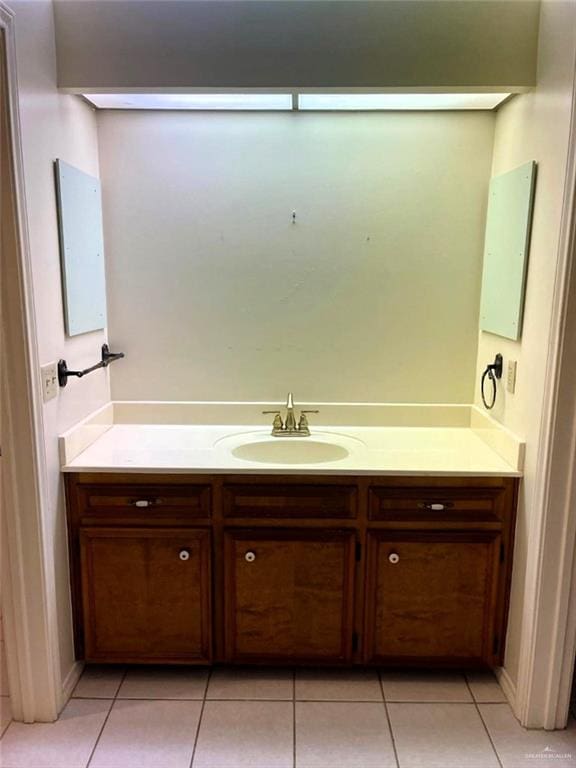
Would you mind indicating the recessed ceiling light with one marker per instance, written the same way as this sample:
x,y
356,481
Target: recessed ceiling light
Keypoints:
x,y
399,101
206,101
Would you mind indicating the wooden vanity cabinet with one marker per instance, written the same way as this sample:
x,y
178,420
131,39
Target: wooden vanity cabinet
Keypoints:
x,y
298,570
438,565
141,567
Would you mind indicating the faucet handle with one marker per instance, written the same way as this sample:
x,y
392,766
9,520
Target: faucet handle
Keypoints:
x,y
303,422
277,424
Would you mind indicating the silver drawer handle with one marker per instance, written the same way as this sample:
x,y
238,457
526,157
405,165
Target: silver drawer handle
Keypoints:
x,y
393,558
435,506
249,557
140,503
184,554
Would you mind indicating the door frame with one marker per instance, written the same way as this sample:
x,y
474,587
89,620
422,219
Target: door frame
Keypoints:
x,y
548,642
28,604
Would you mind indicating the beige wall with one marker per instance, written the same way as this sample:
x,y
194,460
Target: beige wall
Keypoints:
x,y
372,295
396,43
54,125
534,126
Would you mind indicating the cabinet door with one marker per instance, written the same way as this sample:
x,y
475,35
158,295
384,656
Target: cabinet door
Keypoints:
x,y
289,595
431,596
146,594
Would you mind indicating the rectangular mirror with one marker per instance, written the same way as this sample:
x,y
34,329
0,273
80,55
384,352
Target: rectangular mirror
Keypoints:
x,y
506,247
81,249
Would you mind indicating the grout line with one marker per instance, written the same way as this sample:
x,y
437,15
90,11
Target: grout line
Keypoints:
x,y
106,718
168,698
81,698
385,704
283,701
197,698
483,723
208,678
343,701
294,718
291,698
274,701
430,701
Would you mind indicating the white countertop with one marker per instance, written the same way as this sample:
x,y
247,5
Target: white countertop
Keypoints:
x,y
207,449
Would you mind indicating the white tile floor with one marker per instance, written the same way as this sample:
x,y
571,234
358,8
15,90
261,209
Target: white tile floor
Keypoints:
x,y
242,718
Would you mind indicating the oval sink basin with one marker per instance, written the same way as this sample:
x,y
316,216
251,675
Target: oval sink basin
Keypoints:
x,y
290,451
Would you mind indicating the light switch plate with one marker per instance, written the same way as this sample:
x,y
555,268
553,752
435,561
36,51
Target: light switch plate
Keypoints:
x,y
511,376
49,374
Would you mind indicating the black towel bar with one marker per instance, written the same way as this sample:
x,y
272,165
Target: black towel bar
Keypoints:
x,y
107,358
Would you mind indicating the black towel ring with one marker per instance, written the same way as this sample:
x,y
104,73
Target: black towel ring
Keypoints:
x,y
493,371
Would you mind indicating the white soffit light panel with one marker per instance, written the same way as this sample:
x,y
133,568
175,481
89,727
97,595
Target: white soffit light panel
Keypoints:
x,y
305,101
399,101
206,101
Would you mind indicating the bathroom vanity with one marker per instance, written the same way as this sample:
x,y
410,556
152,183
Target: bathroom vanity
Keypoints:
x,y
300,566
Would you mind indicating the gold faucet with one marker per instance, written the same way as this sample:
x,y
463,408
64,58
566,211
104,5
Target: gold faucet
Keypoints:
x,y
289,427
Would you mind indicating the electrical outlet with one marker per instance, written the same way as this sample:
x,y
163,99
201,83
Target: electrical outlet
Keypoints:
x,y
511,376
49,375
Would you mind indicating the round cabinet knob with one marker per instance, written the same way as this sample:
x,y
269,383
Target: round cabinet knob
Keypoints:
x,y
393,558
249,557
184,554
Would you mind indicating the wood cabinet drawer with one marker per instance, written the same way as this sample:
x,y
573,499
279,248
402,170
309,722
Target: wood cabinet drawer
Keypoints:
x,y
138,501
447,503
277,500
